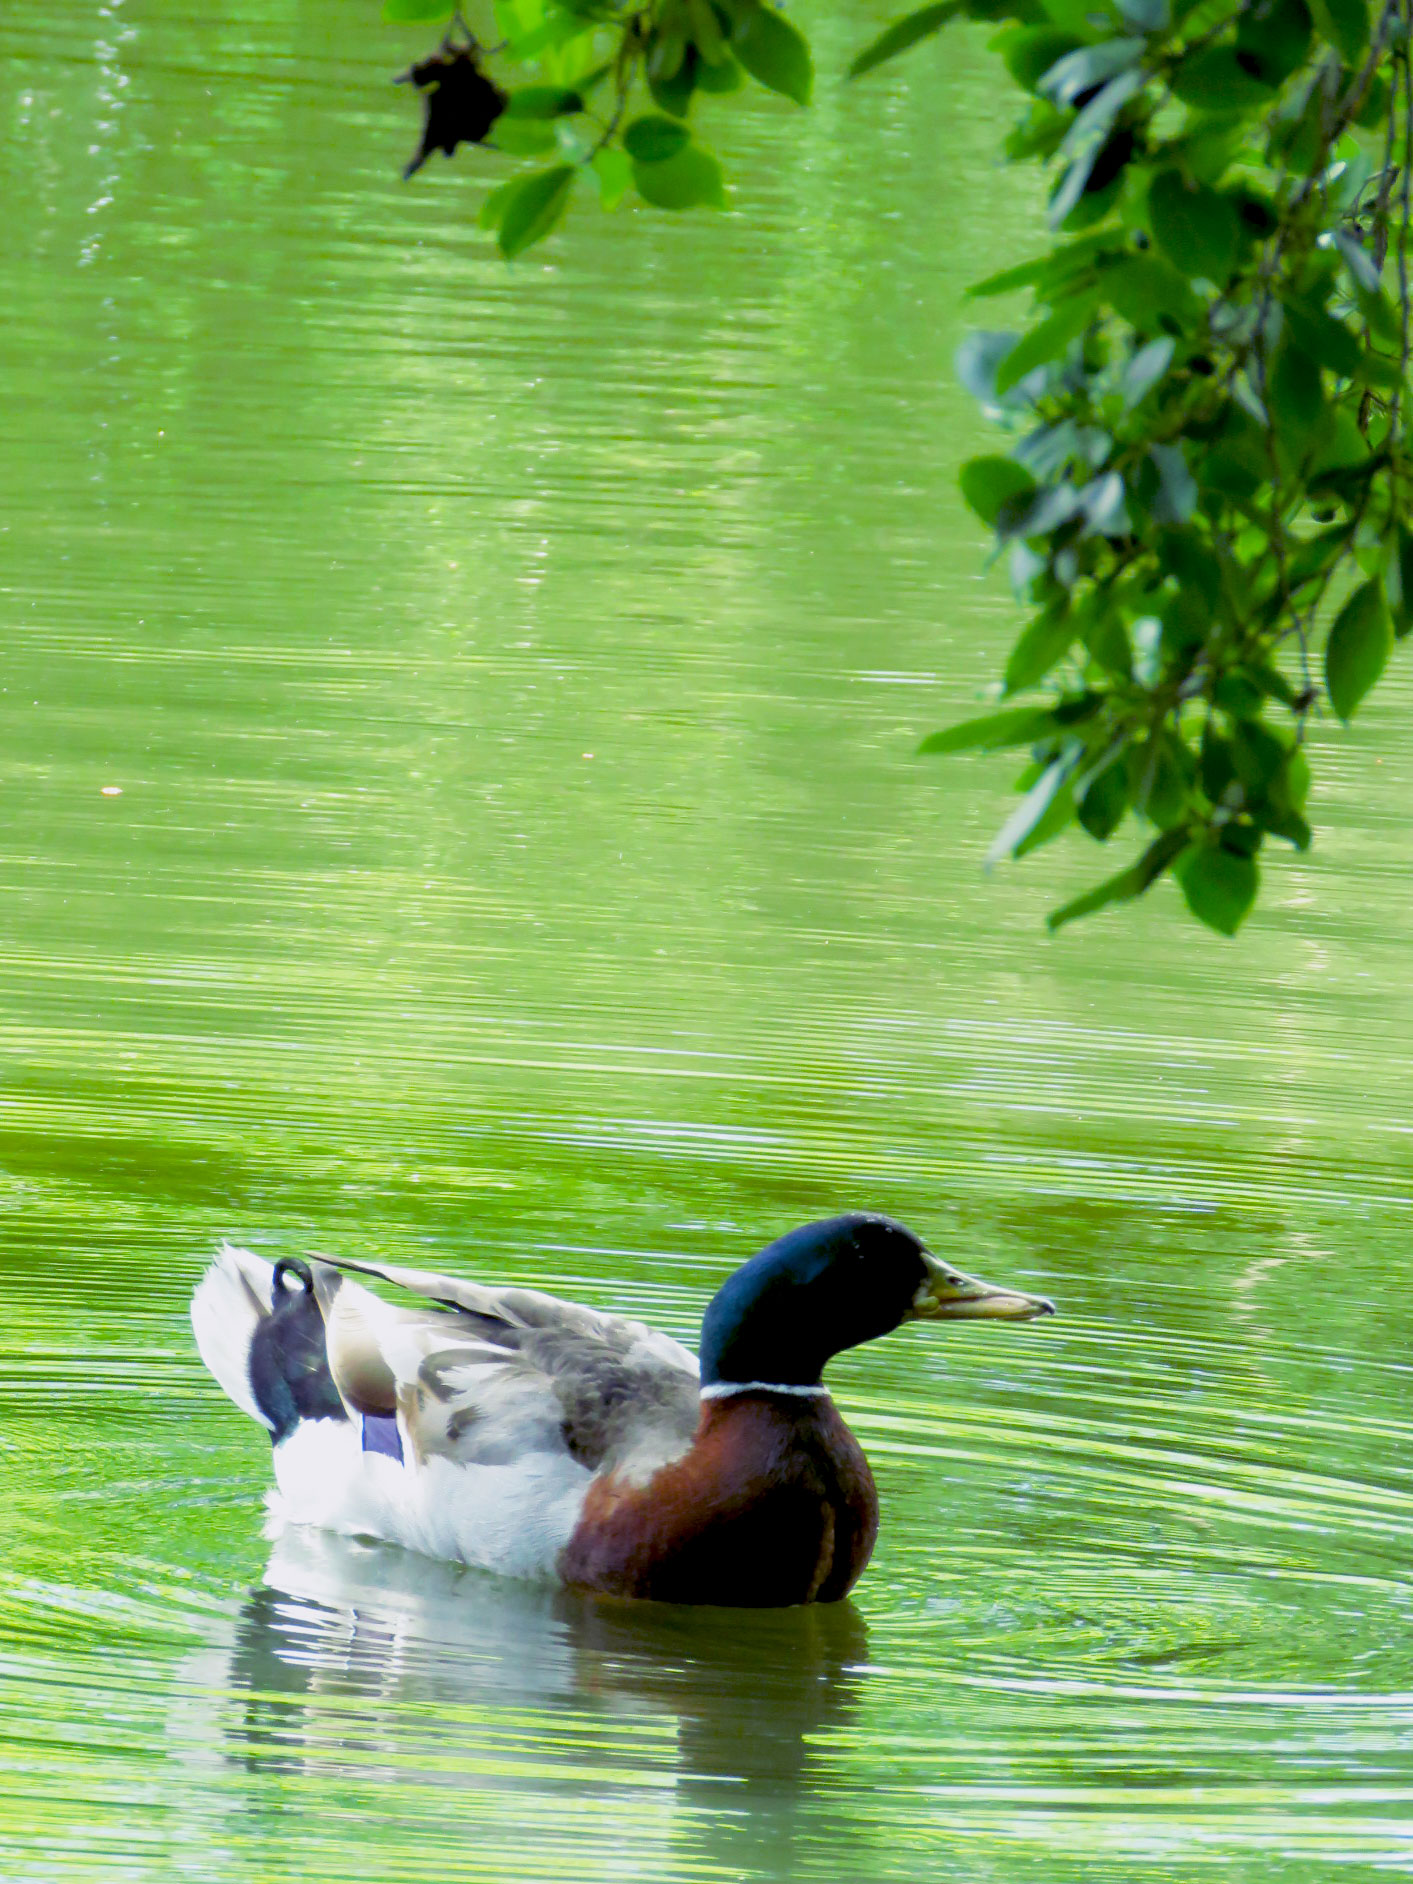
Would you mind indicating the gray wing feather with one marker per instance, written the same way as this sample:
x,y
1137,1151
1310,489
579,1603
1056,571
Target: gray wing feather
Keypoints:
x,y
490,1375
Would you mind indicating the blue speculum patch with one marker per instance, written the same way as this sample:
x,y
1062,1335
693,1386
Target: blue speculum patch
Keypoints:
x,y
380,1434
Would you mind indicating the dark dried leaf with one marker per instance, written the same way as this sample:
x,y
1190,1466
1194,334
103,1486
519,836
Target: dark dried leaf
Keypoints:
x,y
461,104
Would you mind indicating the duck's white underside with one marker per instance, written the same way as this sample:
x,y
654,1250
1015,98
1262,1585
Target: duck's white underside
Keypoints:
x,y
514,1518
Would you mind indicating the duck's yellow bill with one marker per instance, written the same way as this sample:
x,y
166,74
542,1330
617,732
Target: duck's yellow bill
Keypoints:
x,y
948,1295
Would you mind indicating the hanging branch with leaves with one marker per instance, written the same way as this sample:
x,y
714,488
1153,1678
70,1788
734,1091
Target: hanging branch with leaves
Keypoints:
x,y
612,102
1212,444
1204,511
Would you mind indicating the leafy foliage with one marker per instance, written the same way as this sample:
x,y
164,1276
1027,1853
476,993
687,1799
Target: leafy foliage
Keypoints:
x,y
1210,463
592,61
1208,407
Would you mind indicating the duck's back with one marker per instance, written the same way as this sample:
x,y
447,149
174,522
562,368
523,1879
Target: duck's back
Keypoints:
x,y
469,1426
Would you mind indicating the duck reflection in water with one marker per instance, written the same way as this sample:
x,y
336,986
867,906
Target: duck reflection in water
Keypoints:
x,y
349,1650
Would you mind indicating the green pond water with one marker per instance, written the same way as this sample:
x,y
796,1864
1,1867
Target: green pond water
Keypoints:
x,y
458,808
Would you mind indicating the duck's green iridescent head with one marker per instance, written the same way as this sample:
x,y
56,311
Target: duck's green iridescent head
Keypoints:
x,y
829,1286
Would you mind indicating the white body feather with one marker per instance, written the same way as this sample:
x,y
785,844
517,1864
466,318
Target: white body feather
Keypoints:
x,y
513,1518
229,1302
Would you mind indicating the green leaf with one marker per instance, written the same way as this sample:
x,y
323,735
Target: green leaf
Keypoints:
x,y
1094,123
1324,338
531,207
614,174
1031,11
1219,886
1143,372
1215,80
1379,370
1052,508
1030,51
1358,648
397,11
652,140
1126,885
494,203
1288,824
1345,24
1079,72
532,32
772,50
1175,498
1148,292
707,35
523,137
726,77
1105,636
542,101
1148,16
1296,401
1258,755
1273,38
1373,113
1282,811
1033,807
1163,773
977,360
1315,554
672,91
988,484
1020,726
669,47
1075,16
1194,225
905,33
1190,560
1358,261
1297,136
576,142
1023,275
1236,693
1186,619
1217,766
1272,682
690,180
1381,315
1295,781
1341,447
1103,800
1050,270
1088,188
1243,838
1075,708
1057,815
1105,503
1043,642
1403,565
1043,343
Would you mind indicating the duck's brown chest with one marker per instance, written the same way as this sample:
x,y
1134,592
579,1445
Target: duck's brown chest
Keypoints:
x,y
774,1504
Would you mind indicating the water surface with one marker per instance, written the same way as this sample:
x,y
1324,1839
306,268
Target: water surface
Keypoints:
x,y
455,746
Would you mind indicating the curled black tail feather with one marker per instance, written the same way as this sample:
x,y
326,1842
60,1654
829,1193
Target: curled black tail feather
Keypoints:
x,y
289,1364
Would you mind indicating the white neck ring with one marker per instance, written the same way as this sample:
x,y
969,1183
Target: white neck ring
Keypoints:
x,y
725,1389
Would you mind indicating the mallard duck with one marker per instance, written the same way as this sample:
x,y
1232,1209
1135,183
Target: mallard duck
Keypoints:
x,y
511,1430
